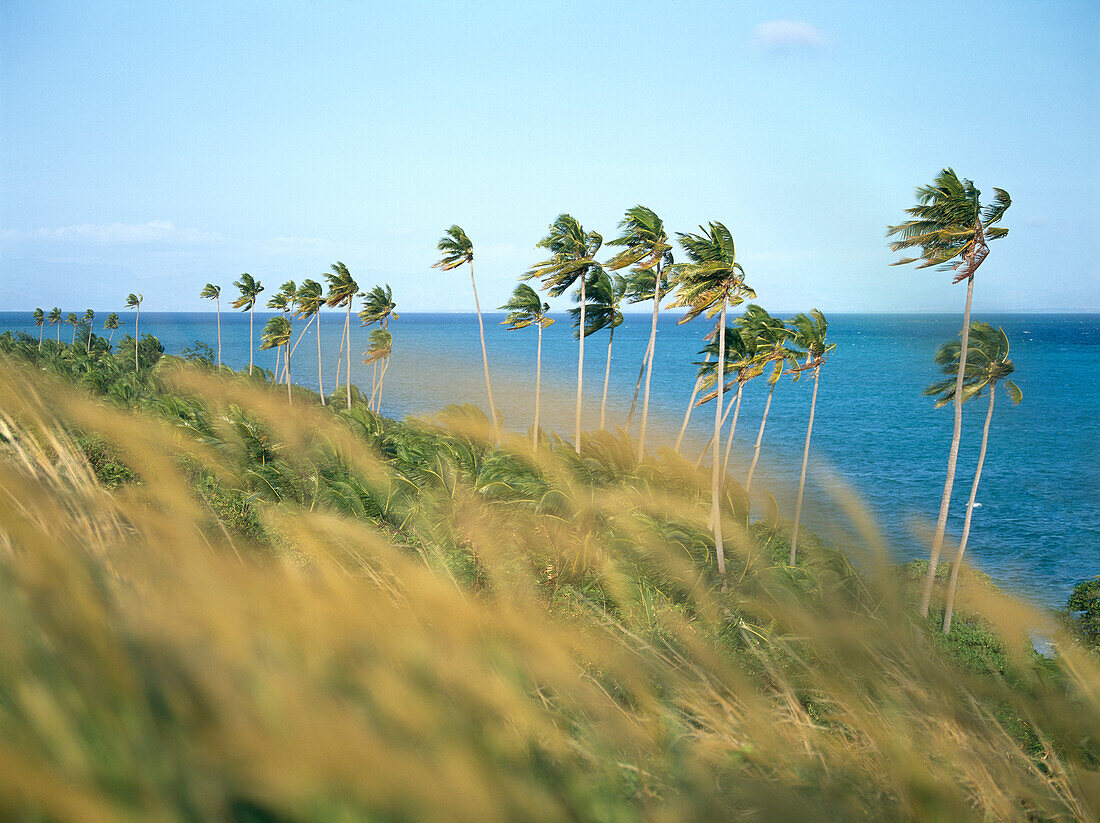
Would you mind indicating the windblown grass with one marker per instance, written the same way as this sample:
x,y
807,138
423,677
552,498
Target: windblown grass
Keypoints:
x,y
290,614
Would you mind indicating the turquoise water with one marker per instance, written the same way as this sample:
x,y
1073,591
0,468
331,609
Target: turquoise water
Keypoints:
x,y
1036,532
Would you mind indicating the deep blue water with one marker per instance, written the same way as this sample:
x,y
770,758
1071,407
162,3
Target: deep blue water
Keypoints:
x,y
1037,531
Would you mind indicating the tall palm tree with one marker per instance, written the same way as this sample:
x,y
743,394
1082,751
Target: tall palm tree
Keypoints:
x,y
646,247
111,325
771,336
72,320
605,295
378,307
250,289
133,301
710,283
952,229
54,319
524,308
276,334
310,299
458,249
342,290
808,333
572,259
213,292
742,363
283,301
379,348
986,365
39,321
89,316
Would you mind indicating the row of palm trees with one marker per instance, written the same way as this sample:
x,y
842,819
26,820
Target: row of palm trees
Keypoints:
x,y
54,318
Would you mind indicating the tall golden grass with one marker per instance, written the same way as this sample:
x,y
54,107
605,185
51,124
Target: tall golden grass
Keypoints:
x,y
156,666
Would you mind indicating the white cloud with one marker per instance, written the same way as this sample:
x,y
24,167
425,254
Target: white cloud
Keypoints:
x,y
784,36
155,231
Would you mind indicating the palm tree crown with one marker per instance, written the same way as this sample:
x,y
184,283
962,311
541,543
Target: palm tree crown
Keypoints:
x,y
986,365
342,287
275,333
133,301
250,289
645,242
524,308
210,292
572,253
378,306
456,247
39,317
713,274
604,295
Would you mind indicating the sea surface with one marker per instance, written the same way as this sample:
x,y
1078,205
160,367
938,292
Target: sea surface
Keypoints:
x,y
1037,531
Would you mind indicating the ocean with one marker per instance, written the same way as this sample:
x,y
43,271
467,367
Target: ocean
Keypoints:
x,y
1036,533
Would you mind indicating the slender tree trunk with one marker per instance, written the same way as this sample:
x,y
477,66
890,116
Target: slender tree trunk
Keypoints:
x,y
710,440
802,477
381,378
251,315
956,564
484,356
218,303
340,358
952,459
137,320
301,334
278,361
89,337
347,336
111,339
638,385
580,367
320,381
373,386
733,427
715,474
538,387
759,440
649,367
691,405
286,358
606,380
41,330
73,341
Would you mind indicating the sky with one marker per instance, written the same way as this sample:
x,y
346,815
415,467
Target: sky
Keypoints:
x,y
149,147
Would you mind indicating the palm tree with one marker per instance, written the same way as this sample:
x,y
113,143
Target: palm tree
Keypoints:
x,y
987,365
310,298
379,348
54,319
133,301
213,292
72,320
39,321
275,334
342,290
743,363
572,260
712,281
111,325
808,333
605,295
457,249
378,307
89,316
952,230
646,247
771,336
524,308
250,289
283,301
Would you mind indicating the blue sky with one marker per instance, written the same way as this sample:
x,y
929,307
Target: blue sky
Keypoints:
x,y
153,148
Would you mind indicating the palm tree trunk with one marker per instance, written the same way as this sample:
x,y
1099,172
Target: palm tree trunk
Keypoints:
x,y
802,477
251,315
89,337
347,336
41,331
111,339
638,385
706,446
373,386
484,355
320,382
606,379
340,358
286,358
137,320
381,378
715,474
733,427
649,367
691,405
956,564
301,334
759,440
538,387
952,459
218,303
580,367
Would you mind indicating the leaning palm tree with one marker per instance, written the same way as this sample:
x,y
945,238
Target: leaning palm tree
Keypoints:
x,y
952,230
742,363
378,307
646,247
39,321
213,292
379,348
342,290
276,334
572,259
771,337
808,333
72,319
89,316
987,364
111,325
54,319
457,249
524,308
283,301
250,289
710,283
310,298
133,301
605,296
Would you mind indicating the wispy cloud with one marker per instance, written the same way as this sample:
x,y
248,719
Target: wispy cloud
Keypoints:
x,y
787,36
155,231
